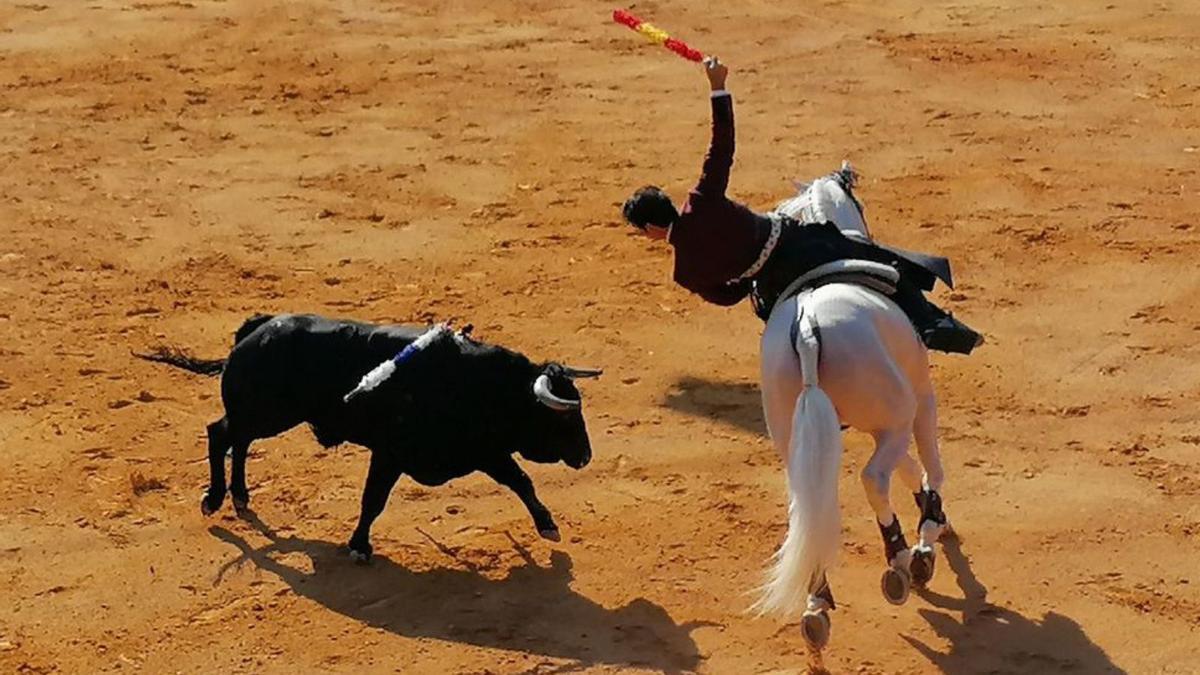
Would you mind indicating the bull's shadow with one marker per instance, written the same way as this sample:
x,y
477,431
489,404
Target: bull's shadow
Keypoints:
x,y
989,639
737,404
533,609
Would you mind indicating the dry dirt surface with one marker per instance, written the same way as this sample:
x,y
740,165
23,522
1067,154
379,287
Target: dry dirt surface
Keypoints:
x,y
169,168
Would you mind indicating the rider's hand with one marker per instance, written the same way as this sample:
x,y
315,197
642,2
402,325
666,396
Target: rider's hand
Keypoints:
x,y
716,72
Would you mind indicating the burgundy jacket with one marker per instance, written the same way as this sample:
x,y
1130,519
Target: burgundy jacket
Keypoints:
x,y
715,238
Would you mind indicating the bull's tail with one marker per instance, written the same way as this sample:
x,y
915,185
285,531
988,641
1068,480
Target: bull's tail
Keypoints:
x,y
181,359
813,463
250,326
209,367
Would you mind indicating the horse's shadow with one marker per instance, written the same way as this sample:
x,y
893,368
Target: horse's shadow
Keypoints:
x,y
990,639
735,403
533,609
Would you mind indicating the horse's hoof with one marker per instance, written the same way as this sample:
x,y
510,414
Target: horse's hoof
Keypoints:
x,y
241,504
552,535
896,584
360,557
922,566
815,627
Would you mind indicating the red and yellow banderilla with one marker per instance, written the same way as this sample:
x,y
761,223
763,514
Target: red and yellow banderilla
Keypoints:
x,y
657,35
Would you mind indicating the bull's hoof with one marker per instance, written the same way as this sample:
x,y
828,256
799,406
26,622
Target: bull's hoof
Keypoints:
x,y
210,503
241,504
815,627
360,553
551,534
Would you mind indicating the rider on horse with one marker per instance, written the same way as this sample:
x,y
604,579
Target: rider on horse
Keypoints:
x,y
812,269
724,251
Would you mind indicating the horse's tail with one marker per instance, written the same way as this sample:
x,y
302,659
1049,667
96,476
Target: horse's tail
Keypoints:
x,y
813,463
181,359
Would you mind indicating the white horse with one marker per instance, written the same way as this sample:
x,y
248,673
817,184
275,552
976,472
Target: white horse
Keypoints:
x,y
844,354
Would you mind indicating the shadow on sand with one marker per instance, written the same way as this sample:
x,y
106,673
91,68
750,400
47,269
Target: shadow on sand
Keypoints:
x,y
533,609
989,639
737,404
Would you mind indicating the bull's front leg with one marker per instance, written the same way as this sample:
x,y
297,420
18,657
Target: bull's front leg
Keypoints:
x,y
381,478
507,473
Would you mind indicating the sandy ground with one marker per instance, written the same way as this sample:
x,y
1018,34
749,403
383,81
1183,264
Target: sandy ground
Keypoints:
x,y
168,168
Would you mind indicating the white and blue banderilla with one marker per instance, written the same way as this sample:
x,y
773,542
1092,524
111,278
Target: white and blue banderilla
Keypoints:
x,y
383,371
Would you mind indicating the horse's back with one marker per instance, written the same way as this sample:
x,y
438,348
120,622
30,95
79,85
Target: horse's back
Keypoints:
x,y
872,364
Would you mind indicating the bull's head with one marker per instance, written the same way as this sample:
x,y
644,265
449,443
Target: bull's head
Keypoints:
x,y
559,430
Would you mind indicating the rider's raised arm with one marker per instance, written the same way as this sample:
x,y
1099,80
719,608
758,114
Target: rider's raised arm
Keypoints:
x,y
714,178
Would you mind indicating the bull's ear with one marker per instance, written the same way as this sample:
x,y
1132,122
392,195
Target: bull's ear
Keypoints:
x,y
580,373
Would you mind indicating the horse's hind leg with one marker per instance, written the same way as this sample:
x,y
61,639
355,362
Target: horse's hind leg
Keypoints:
x,y
891,447
933,523
930,501
910,472
218,443
913,475
925,431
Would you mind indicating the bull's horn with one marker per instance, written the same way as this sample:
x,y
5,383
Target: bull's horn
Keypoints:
x,y
541,389
575,373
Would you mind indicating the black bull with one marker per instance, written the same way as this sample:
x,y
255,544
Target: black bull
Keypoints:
x,y
457,407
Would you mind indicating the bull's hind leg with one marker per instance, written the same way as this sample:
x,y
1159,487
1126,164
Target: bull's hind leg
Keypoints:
x,y
237,480
220,440
381,478
218,443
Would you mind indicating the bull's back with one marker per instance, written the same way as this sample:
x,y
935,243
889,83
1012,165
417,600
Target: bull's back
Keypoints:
x,y
295,368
